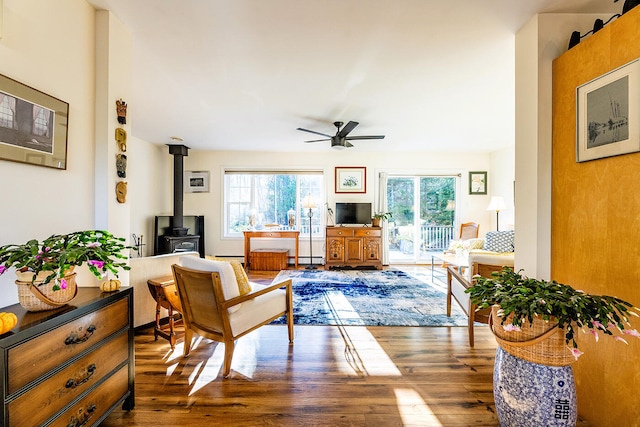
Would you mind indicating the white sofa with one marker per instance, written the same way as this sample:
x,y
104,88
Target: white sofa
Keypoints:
x,y
143,269
495,248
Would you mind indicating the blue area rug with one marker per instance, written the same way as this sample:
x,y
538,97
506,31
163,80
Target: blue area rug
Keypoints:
x,y
367,298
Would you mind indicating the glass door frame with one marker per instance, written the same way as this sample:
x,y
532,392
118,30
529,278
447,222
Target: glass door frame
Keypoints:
x,y
419,256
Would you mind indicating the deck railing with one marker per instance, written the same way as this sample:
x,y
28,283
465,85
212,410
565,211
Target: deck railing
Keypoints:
x,y
432,238
436,237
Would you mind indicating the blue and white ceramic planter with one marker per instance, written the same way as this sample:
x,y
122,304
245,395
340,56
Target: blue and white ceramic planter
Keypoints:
x,y
528,394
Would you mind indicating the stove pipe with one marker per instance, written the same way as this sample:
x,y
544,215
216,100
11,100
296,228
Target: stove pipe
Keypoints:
x,y
178,152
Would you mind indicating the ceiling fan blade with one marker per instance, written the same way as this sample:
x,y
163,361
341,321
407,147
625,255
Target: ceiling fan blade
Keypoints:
x,y
348,128
313,131
319,140
365,137
348,144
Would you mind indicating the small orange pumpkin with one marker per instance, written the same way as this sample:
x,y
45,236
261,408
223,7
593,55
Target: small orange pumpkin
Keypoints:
x,y
8,321
110,285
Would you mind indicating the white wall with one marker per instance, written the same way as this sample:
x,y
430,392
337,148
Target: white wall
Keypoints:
x,y
39,201
150,172
538,43
50,46
501,183
470,208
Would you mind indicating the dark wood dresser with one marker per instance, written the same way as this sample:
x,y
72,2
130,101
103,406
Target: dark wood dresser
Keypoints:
x,y
70,366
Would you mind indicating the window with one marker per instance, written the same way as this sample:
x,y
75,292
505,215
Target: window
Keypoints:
x,y
40,121
7,111
255,199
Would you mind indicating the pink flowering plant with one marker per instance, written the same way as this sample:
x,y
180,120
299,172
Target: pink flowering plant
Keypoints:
x,y
101,250
571,309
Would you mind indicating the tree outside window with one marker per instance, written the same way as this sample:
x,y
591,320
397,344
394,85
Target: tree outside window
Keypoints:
x,y
254,200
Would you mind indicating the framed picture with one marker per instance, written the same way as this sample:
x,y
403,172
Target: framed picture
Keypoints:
x,y
33,126
477,183
608,112
196,182
351,179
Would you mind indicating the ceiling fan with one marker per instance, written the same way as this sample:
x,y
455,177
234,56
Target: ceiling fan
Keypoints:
x,y
341,139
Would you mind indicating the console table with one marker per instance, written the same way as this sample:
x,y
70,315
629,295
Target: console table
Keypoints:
x,y
266,234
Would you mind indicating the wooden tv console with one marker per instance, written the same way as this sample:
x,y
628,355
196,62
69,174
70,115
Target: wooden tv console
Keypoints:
x,y
354,247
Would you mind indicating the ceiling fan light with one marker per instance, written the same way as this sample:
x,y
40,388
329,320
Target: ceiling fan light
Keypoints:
x,y
338,147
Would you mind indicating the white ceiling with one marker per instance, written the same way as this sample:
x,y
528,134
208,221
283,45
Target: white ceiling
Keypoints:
x,y
431,75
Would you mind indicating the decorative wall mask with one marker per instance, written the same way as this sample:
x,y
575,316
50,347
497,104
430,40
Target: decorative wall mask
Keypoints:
x,y
121,192
121,110
121,139
121,165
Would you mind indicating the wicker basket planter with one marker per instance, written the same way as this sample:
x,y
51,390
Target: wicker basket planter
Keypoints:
x,y
533,382
40,298
541,342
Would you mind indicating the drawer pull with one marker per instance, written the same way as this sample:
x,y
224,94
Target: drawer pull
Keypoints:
x,y
84,415
75,339
73,383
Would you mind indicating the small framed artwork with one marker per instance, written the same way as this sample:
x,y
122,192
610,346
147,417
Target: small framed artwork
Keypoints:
x,y
33,125
608,112
351,179
196,182
477,183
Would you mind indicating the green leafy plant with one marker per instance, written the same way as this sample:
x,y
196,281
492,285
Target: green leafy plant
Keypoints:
x,y
101,250
571,309
383,216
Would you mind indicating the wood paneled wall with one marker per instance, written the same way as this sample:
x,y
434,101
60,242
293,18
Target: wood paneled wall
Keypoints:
x,y
596,225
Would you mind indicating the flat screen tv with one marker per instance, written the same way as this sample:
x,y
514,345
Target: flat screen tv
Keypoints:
x,y
353,213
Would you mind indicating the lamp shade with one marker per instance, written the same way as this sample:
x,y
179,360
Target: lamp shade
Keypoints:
x,y
308,202
451,205
496,204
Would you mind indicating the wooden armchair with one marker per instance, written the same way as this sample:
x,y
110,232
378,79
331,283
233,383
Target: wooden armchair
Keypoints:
x,y
469,230
457,283
213,308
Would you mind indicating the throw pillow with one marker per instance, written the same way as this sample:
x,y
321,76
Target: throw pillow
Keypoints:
x,y
227,275
244,286
454,245
499,241
476,243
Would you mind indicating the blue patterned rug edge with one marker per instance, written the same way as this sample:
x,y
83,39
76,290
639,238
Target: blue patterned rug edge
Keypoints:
x,y
367,298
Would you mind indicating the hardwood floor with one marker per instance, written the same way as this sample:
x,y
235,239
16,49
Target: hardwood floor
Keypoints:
x,y
330,376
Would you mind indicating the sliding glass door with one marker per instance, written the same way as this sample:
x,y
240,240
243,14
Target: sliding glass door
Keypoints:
x,y
423,209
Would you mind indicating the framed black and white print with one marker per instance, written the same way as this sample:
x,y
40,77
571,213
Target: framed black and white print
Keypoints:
x,y
196,182
33,125
477,183
608,113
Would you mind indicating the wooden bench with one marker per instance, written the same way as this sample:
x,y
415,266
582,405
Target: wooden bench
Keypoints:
x,y
269,259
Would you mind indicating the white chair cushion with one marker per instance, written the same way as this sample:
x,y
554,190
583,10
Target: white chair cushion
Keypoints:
x,y
258,310
479,256
492,258
224,268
